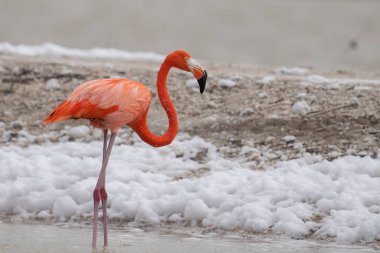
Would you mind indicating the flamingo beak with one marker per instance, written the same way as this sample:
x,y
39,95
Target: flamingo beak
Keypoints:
x,y
199,73
202,82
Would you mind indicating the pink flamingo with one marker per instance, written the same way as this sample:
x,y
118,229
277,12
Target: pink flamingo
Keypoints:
x,y
112,103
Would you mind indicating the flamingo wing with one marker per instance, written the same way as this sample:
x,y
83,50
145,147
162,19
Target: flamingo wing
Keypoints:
x,y
113,102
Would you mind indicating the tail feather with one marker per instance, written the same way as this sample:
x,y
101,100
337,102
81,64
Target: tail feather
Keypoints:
x,y
61,113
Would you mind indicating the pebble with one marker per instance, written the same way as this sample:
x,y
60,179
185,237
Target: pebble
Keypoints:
x,y
226,83
246,111
66,71
40,139
16,70
289,139
191,83
301,95
263,95
334,154
333,86
53,84
298,146
17,125
211,104
301,108
266,80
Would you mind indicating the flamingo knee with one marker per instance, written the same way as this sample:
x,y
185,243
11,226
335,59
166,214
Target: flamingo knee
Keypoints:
x,y
103,194
96,195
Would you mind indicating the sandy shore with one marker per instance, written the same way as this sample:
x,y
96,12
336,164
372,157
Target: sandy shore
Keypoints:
x,y
257,109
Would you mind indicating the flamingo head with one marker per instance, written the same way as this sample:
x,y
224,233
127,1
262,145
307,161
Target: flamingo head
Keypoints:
x,y
182,60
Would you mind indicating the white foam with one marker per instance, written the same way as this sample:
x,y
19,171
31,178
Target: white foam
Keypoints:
x,y
317,79
157,185
57,50
333,83
78,131
196,210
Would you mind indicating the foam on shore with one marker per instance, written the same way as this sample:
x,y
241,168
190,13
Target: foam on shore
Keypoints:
x,y
57,50
308,196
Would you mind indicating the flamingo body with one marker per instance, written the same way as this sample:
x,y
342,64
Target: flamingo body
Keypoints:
x,y
107,103
112,103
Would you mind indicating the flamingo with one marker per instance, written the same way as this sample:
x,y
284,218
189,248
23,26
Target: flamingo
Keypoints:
x,y
112,103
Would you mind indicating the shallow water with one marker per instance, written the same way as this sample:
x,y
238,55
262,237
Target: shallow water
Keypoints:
x,y
33,238
341,33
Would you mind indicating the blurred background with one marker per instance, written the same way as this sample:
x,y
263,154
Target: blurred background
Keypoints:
x,y
324,33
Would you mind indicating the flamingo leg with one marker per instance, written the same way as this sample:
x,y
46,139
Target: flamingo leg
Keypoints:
x,y
96,194
100,191
103,190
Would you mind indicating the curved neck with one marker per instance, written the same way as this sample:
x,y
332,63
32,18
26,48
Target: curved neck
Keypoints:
x,y
141,127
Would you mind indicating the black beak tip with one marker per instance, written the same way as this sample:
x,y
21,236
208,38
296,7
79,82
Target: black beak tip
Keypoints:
x,y
202,82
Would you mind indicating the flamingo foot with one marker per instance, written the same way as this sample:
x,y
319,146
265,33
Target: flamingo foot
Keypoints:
x,y
104,208
95,221
100,194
